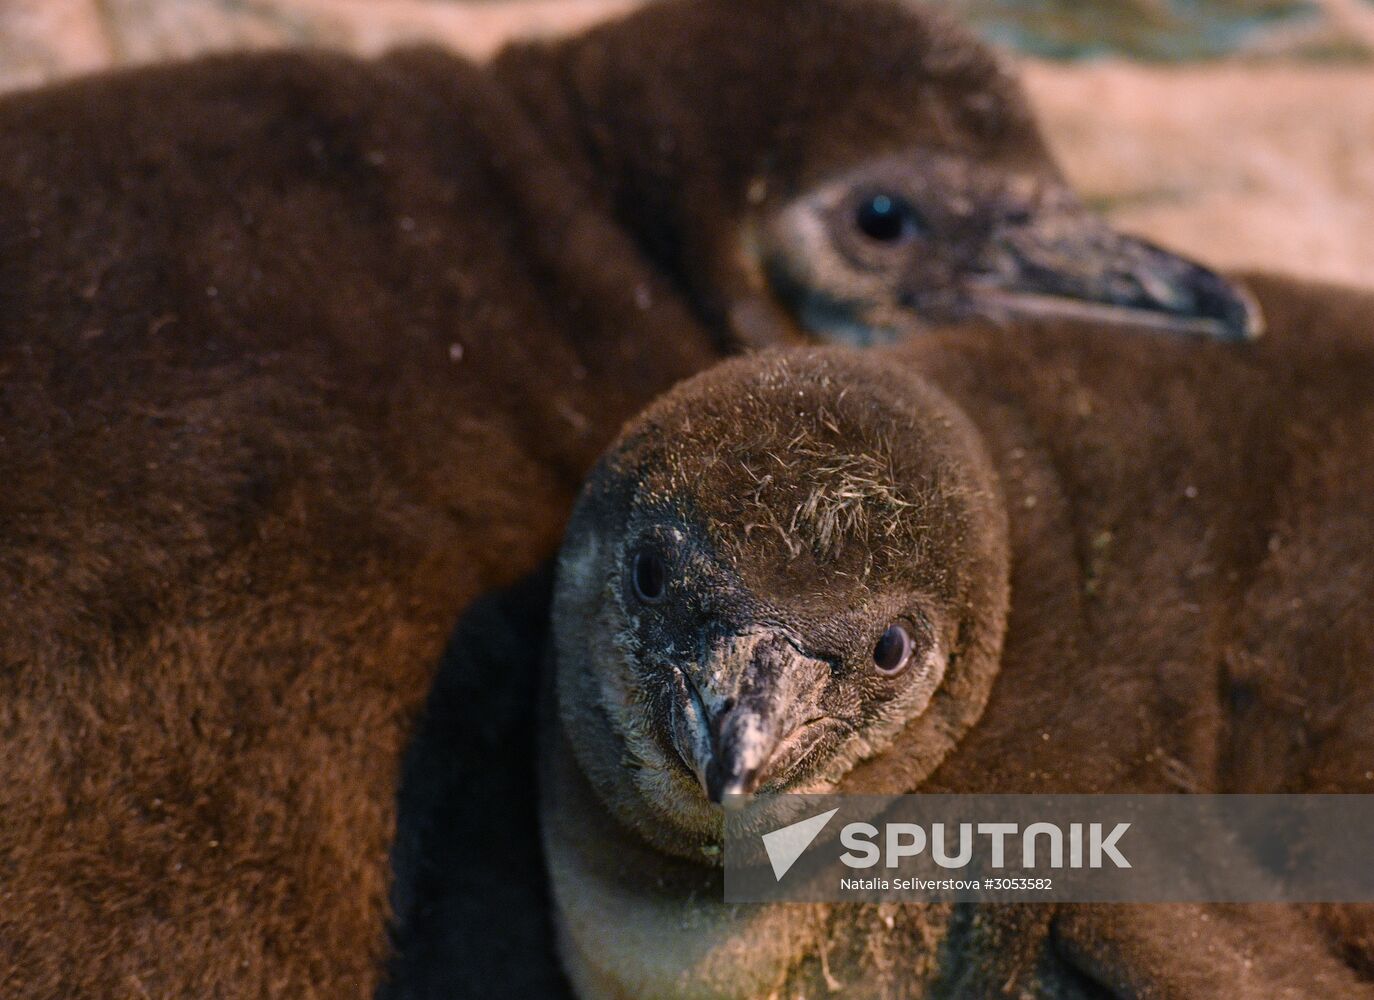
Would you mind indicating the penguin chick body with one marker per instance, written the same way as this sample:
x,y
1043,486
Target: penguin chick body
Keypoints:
x,y
977,564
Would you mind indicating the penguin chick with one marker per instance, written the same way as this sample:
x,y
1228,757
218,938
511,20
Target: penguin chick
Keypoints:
x,y
770,580
851,169
792,574
769,584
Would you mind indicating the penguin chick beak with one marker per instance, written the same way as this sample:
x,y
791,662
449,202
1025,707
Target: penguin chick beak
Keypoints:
x,y
1056,258
741,716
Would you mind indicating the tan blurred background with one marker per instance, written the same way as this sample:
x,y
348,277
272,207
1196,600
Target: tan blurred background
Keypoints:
x,y
1241,131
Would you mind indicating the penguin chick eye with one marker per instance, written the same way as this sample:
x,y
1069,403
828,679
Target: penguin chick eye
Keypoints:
x,y
648,575
892,652
887,218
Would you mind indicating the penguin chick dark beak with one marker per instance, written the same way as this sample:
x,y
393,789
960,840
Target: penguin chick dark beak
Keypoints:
x,y
1058,259
737,716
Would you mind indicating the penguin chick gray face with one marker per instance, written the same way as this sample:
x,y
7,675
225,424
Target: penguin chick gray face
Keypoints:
x,y
768,580
909,240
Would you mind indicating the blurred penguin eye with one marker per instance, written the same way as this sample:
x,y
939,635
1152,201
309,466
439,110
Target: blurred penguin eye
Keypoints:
x,y
648,575
887,218
892,652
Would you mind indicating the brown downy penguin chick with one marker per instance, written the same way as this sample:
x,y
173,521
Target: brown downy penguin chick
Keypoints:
x,y
969,563
857,170
301,353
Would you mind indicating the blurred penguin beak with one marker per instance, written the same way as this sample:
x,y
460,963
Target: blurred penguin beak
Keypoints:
x,y
1055,258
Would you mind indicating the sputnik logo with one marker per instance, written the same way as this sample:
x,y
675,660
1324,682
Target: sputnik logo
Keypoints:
x,y
785,845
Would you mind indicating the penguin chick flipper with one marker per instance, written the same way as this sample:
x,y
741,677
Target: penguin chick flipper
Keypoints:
x,y
470,907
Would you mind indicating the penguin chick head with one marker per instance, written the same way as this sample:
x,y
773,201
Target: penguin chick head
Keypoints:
x,y
848,170
790,574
